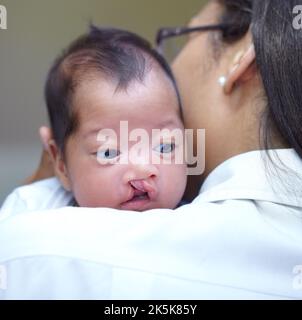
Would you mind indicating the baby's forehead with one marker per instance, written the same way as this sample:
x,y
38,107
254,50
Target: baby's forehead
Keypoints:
x,y
153,74
146,101
99,91
142,105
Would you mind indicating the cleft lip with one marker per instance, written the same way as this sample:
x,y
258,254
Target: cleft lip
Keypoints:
x,y
144,187
141,194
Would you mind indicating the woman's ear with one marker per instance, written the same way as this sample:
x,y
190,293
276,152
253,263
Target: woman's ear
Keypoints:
x,y
241,70
59,164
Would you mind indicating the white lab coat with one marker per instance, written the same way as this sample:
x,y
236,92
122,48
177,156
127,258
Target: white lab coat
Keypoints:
x,y
241,238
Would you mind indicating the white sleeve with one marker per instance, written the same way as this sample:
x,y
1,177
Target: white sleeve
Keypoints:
x,y
42,195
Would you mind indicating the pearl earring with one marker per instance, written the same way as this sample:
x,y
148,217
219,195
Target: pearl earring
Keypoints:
x,y
222,81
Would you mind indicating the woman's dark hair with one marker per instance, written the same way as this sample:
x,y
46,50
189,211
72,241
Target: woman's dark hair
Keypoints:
x,y
278,47
120,55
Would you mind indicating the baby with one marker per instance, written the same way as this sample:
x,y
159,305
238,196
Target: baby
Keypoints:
x,y
109,81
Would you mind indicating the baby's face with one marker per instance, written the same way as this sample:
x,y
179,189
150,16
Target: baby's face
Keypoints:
x,y
105,169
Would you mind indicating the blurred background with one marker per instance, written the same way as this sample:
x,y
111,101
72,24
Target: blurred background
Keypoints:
x,y
37,31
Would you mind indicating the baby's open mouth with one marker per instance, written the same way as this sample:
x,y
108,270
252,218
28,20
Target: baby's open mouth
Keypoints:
x,y
138,195
142,193
139,192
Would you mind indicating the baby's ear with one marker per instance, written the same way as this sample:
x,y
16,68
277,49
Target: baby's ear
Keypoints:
x,y
59,164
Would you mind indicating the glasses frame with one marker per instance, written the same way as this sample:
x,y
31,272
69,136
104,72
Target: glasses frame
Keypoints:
x,y
166,33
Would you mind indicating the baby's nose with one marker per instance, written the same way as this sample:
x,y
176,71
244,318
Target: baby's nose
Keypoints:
x,y
141,172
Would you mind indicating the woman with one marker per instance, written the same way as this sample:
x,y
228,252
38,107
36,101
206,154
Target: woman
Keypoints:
x,y
241,236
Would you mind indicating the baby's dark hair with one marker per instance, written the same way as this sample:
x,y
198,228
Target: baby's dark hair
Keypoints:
x,y
118,54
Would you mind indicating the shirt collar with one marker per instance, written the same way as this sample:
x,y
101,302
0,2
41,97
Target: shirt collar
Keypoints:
x,y
253,176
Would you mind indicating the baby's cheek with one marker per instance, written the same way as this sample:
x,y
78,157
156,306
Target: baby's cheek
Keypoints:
x,y
84,192
174,184
92,190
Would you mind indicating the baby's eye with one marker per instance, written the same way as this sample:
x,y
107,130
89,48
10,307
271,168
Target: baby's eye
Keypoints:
x,y
165,148
108,154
